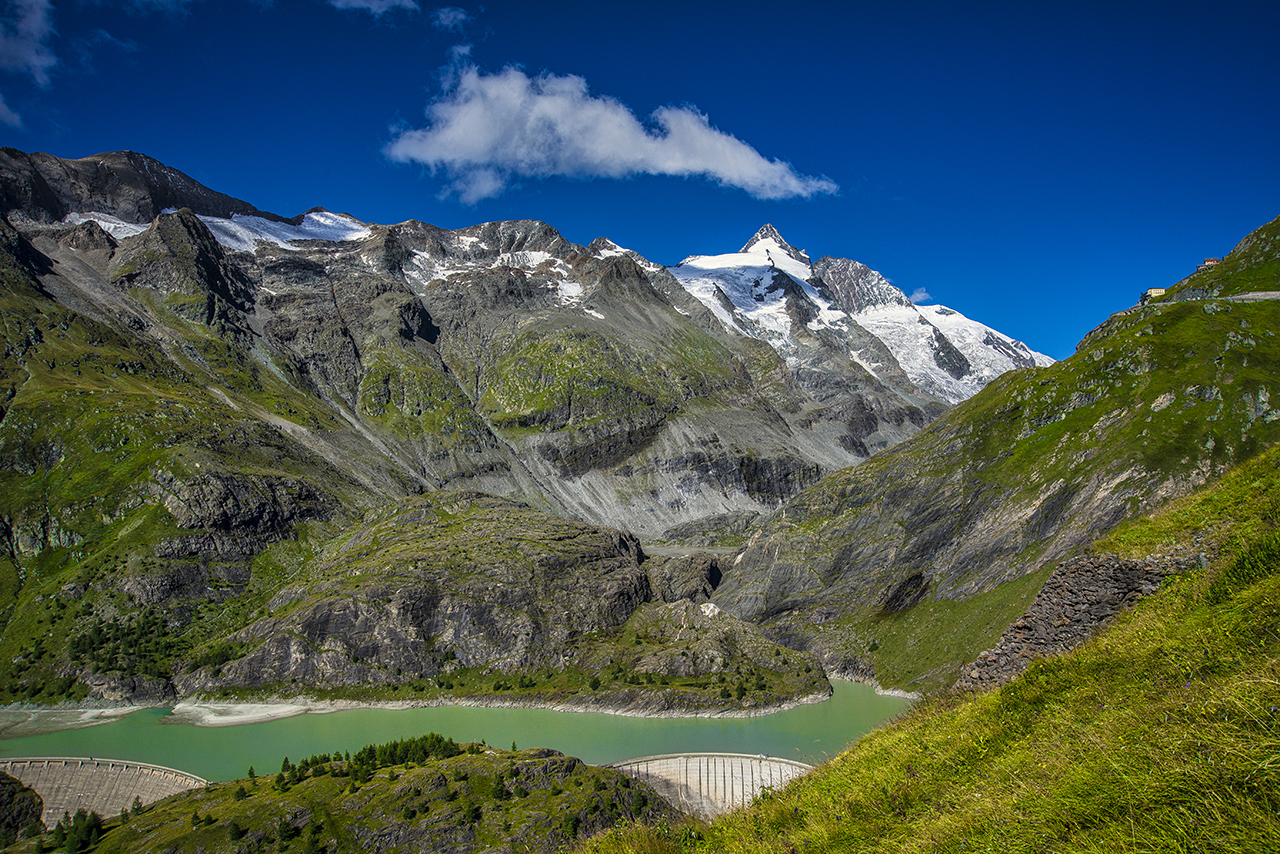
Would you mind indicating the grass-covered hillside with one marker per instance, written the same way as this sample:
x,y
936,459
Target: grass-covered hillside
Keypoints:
x,y
947,535
420,794
453,596
1160,734
1252,266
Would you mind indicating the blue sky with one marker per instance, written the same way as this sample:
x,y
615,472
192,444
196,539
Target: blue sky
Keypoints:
x,y
1035,166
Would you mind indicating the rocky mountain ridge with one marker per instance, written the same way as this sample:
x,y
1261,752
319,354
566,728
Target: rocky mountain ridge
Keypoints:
x,y
1158,401
247,429
839,307
499,357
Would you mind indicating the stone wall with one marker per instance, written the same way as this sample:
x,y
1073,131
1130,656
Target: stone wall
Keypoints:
x,y
1082,595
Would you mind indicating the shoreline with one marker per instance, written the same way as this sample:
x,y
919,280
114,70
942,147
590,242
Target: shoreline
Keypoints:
x,y
891,692
218,714
22,720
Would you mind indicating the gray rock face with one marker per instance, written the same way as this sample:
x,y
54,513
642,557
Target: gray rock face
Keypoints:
x,y
1082,595
692,577
463,578
115,689
123,184
20,806
261,507
855,287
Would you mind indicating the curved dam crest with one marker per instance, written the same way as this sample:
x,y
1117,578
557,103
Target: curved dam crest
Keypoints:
x,y
711,784
104,786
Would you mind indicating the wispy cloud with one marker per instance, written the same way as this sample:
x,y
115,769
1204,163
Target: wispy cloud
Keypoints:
x,y
449,18
377,7
157,5
920,295
8,116
87,46
487,129
24,48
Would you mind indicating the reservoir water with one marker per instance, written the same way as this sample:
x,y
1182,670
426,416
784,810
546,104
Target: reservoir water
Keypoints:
x,y
808,733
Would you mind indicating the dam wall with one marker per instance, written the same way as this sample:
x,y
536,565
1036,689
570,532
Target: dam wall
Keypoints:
x,y
711,784
104,786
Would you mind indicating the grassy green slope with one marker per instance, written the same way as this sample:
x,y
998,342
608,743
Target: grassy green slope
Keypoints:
x,y
1253,265
463,595
1162,734
97,430
1155,402
476,799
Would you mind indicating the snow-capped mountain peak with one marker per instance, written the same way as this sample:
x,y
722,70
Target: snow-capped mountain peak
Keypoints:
x,y
772,242
770,290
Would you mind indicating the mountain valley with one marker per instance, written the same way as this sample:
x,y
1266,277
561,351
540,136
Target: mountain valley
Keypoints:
x,y
332,456
251,458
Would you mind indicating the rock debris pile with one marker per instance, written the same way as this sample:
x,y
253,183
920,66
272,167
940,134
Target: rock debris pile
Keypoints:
x,y
1083,594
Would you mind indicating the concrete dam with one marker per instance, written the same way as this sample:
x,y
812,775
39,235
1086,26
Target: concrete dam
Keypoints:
x,y
104,786
704,784
711,784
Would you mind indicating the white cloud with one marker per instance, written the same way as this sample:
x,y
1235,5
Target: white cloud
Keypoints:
x,y
22,40
23,49
377,7
8,116
486,129
920,295
450,18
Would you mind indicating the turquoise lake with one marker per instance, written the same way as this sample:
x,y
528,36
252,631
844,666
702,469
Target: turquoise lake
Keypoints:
x,y
808,733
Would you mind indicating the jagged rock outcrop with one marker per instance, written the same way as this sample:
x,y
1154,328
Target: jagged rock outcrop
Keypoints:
x,y
20,807
459,579
1081,596
854,286
118,690
693,577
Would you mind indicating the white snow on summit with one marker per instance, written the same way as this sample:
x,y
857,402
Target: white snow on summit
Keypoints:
x,y
746,291
751,282
243,233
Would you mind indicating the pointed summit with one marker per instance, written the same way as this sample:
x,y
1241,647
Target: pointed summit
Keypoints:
x,y
769,234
